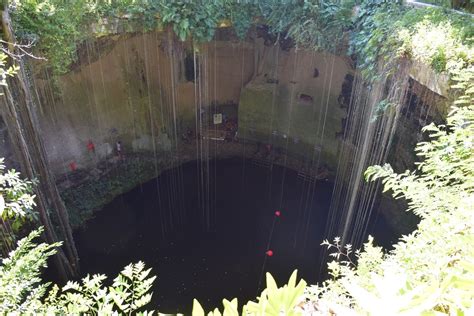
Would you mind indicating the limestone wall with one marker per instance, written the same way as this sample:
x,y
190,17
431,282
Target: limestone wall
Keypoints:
x,y
293,102
139,88
133,88
136,87
423,105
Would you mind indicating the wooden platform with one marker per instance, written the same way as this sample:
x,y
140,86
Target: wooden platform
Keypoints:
x,y
216,135
312,175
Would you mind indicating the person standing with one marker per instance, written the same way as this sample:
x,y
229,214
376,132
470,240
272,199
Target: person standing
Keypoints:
x,y
91,147
118,149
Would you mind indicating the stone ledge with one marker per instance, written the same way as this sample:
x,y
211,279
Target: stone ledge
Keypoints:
x,y
425,75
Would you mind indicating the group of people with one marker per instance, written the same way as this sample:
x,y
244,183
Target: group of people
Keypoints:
x,y
91,149
118,148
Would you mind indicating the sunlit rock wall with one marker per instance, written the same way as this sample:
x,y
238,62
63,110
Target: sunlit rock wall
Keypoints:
x,y
294,102
133,88
136,87
139,88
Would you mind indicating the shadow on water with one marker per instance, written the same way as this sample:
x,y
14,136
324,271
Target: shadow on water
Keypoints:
x,y
225,263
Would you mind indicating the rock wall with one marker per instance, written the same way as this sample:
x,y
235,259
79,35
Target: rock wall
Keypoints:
x,y
424,104
133,88
139,89
6,148
294,102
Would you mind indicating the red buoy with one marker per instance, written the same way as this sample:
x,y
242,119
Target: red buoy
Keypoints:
x,y
269,253
277,213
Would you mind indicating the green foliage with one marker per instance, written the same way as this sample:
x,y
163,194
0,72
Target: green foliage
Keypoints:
x,y
382,106
196,19
311,24
431,270
438,39
22,292
130,292
464,82
272,301
82,201
277,301
59,26
56,26
371,39
387,30
4,70
142,11
242,16
20,287
16,199
314,24
382,31
16,205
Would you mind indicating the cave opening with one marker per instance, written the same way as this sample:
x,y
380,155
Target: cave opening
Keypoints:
x,y
190,71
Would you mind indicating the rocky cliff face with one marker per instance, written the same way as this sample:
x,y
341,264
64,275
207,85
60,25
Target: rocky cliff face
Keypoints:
x,y
427,101
295,102
134,89
139,89
149,91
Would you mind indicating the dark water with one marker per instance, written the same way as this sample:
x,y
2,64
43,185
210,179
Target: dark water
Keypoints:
x,y
225,263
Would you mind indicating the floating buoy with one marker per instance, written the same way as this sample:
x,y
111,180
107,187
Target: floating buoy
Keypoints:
x,y
269,253
277,213
73,166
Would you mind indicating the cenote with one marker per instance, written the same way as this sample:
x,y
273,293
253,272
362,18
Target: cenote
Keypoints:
x,y
223,143
191,261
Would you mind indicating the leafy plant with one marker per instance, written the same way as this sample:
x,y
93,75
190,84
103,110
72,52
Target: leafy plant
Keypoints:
x,y
242,16
21,290
311,24
56,26
130,291
20,287
16,199
381,107
276,301
4,70
16,205
196,19
430,270
142,11
385,31
272,301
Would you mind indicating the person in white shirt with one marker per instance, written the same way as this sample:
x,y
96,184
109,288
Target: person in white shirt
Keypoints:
x,y
118,148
